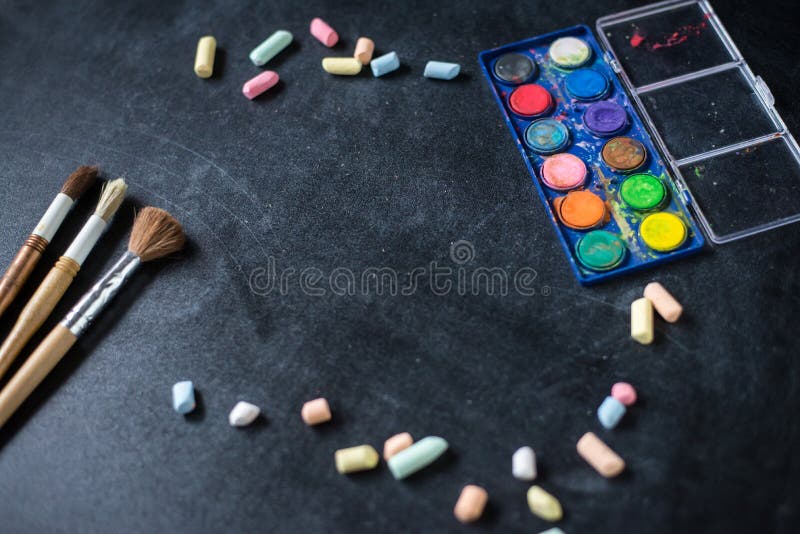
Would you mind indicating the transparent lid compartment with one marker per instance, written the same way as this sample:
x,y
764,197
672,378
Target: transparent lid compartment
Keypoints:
x,y
707,113
711,117
666,41
756,187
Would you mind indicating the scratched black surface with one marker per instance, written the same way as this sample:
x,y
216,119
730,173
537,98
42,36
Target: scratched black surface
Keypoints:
x,y
354,173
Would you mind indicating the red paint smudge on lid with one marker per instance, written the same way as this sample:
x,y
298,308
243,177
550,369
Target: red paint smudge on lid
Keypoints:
x,y
681,35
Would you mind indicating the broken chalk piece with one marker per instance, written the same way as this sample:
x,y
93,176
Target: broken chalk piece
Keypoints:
x,y
523,464
441,71
364,49
600,456
270,47
470,504
396,443
624,392
610,412
417,456
316,411
544,505
243,414
204,58
323,32
264,81
358,458
341,66
642,321
665,304
385,64
183,397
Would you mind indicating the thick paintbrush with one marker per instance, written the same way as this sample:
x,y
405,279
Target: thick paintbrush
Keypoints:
x,y
155,234
58,280
28,256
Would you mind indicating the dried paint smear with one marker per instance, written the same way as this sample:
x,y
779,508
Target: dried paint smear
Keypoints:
x,y
681,35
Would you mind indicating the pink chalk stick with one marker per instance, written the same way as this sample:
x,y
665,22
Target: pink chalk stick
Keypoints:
x,y
323,32
624,392
255,86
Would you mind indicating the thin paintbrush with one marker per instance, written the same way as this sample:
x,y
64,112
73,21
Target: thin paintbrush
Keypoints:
x,y
28,256
155,234
60,277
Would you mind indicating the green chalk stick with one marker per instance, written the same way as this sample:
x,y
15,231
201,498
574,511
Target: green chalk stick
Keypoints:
x,y
419,455
271,47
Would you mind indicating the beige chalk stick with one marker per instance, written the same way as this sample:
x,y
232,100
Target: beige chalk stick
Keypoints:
x,y
600,456
396,443
316,411
665,304
470,504
364,50
642,321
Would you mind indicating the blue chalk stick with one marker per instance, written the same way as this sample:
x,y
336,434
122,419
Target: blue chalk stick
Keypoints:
x,y
384,64
183,397
441,70
610,412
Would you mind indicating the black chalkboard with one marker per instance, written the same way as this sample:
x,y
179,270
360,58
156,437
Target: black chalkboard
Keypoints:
x,y
362,175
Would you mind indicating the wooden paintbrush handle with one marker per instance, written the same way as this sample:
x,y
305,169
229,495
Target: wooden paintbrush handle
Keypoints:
x,y
33,371
38,309
20,269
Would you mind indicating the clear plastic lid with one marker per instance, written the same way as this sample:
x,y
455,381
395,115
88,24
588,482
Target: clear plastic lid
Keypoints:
x,y
733,158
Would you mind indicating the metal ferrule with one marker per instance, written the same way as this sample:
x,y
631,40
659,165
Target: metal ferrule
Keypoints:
x,y
93,302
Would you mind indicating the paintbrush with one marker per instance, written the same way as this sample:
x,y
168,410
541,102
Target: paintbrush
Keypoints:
x,y
28,256
155,234
58,280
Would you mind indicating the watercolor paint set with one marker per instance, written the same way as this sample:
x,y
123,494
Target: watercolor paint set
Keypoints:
x,y
637,140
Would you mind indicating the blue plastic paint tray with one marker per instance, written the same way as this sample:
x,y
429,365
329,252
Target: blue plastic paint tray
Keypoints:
x,y
623,221
707,124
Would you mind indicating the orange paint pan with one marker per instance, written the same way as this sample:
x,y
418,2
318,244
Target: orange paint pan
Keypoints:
x,y
581,210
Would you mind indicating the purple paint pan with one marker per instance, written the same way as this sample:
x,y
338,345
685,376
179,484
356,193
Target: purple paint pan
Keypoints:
x,y
605,118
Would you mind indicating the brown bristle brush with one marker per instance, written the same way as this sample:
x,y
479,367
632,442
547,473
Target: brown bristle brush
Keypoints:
x,y
58,280
28,256
155,234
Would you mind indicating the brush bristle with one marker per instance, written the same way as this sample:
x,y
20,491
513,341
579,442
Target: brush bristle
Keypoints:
x,y
155,234
110,199
79,181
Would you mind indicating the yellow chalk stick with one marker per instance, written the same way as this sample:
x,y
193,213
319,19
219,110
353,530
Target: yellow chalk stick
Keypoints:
x,y
204,59
642,321
342,66
359,458
544,505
